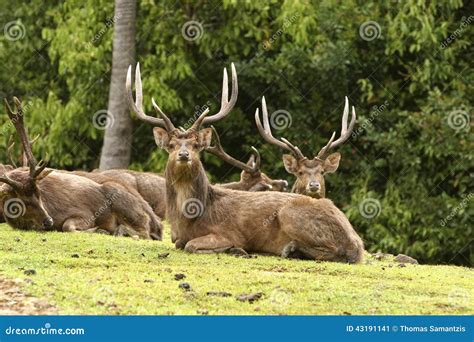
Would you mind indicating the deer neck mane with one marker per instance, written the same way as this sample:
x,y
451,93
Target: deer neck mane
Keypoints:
x,y
184,185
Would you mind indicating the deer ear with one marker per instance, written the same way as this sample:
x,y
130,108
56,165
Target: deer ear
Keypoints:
x,y
205,137
332,162
290,162
44,174
161,137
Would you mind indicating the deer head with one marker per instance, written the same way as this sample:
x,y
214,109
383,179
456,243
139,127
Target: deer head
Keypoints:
x,y
309,172
19,187
251,177
183,146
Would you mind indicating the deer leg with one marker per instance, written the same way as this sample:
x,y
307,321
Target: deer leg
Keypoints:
x,y
76,225
295,250
211,243
132,211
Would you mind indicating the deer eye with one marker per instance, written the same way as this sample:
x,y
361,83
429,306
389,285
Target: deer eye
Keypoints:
x,y
300,173
195,145
171,145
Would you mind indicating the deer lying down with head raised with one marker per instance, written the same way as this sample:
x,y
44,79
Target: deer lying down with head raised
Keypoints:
x,y
251,177
205,218
44,199
309,172
152,187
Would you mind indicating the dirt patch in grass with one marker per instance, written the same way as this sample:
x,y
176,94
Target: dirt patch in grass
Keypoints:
x,y
13,301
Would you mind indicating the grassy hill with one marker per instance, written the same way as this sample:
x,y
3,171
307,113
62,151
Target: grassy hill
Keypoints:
x,y
84,273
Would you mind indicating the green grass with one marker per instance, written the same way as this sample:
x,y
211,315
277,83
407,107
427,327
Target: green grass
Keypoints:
x,y
125,276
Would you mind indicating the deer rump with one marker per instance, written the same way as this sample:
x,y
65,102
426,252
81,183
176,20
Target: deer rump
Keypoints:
x,y
77,203
151,187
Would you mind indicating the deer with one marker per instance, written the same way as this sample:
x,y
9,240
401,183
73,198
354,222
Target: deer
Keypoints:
x,y
39,198
251,178
206,218
152,186
309,172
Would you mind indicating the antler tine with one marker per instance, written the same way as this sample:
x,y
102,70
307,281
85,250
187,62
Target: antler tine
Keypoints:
x,y
345,131
24,159
13,183
218,151
258,158
226,104
137,105
11,143
199,121
266,132
167,122
17,120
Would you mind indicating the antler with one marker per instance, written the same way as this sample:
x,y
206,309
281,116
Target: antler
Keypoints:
x,y
165,122
10,145
226,104
17,120
218,151
345,132
13,183
137,105
266,133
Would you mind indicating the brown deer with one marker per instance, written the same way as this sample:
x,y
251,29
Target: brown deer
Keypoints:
x,y
205,218
251,178
309,172
39,198
152,186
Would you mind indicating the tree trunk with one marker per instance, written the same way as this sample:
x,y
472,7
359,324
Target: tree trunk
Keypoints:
x,y
117,145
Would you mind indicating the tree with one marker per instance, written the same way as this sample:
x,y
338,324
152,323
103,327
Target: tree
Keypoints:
x,y
119,126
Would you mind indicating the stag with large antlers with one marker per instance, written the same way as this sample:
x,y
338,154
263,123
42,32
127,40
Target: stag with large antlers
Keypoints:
x,y
206,218
45,199
309,172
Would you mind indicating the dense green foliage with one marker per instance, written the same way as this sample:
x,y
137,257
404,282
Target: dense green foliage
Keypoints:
x,y
412,85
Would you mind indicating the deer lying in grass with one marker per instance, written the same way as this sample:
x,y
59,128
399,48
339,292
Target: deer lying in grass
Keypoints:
x,y
205,218
251,178
39,198
309,172
152,187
